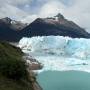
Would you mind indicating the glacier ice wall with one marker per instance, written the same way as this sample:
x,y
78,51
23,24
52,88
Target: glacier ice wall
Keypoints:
x,y
57,45
58,53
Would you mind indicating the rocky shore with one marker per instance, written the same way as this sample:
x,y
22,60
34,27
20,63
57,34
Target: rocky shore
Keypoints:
x,y
33,64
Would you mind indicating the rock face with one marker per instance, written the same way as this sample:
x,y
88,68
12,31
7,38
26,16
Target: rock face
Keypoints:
x,y
12,30
32,63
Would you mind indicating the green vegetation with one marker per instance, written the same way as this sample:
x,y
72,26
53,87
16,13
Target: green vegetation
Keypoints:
x,y
13,70
9,84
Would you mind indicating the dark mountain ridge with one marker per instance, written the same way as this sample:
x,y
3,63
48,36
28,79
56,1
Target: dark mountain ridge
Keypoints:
x,y
56,25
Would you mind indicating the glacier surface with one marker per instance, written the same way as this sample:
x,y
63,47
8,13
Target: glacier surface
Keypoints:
x,y
58,53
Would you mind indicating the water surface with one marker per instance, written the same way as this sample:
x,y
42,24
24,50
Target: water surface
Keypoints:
x,y
66,80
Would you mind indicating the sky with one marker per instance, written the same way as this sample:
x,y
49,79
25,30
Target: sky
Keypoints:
x,y
28,10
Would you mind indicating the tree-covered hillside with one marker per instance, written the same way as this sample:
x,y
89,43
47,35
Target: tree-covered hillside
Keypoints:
x,y
13,72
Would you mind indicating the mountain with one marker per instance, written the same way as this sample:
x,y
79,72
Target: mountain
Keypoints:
x,y
12,30
56,25
9,29
13,24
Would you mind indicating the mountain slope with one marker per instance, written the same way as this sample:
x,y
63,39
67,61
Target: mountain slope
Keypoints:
x,y
57,25
9,29
15,25
13,31
6,33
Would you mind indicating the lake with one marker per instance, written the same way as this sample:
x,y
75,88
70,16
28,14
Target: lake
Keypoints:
x,y
64,80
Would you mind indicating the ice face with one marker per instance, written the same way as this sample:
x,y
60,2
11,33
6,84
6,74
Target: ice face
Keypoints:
x,y
79,48
59,53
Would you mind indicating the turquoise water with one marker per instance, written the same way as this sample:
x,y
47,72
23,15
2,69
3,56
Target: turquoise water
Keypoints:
x,y
66,80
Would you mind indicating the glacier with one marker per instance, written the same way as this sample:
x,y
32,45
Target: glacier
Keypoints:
x,y
58,52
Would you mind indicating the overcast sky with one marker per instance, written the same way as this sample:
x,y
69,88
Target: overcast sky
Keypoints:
x,y
28,10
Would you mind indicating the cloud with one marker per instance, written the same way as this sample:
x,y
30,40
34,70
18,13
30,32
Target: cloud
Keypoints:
x,y
74,10
79,12
9,8
45,8
29,19
11,11
15,2
51,8
28,10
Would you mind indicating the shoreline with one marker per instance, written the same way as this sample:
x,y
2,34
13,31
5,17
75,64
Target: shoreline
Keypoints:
x,y
32,63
